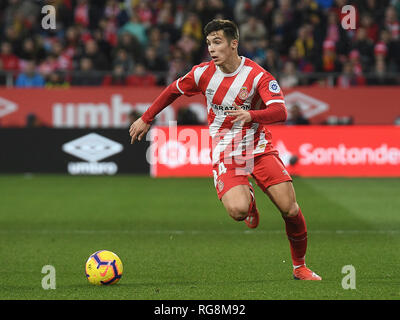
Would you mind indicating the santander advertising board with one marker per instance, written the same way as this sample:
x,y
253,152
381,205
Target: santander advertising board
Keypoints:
x,y
319,151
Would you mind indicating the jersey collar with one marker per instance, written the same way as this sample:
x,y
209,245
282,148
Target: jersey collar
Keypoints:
x,y
234,73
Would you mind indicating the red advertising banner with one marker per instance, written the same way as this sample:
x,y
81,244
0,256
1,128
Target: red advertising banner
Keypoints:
x,y
320,151
179,151
109,107
355,151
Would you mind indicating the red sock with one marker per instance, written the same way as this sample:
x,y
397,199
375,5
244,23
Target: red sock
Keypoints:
x,y
296,231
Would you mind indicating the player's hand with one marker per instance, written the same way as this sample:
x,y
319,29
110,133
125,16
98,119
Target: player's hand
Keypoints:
x,y
240,115
138,129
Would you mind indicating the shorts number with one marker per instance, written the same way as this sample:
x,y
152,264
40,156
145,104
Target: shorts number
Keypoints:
x,y
215,177
221,170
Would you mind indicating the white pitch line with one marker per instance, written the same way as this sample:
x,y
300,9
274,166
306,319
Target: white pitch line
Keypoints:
x,y
193,232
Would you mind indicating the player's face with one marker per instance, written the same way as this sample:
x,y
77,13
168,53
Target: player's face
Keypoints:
x,y
219,47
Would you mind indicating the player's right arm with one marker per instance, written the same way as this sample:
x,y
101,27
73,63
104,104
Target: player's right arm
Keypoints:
x,y
185,85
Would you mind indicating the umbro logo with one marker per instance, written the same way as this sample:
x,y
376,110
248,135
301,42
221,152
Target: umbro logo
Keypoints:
x,y
92,147
210,92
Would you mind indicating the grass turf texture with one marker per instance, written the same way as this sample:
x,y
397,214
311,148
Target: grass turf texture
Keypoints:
x,y
177,242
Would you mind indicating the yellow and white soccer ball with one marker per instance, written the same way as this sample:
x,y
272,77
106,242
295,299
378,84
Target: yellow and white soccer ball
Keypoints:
x,y
103,268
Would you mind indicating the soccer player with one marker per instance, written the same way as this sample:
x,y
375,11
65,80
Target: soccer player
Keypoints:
x,y
241,98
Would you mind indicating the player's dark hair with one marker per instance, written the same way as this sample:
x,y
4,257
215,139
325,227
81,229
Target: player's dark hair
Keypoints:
x,y
230,29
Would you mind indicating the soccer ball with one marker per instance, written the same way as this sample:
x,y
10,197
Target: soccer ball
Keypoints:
x,y
103,267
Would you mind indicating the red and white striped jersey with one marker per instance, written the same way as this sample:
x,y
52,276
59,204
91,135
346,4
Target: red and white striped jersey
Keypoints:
x,y
249,87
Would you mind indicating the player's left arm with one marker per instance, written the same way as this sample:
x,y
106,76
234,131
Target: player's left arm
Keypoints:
x,y
274,102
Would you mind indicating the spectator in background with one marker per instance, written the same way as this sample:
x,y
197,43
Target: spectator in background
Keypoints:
x,y
354,58
98,58
279,32
372,8
108,31
29,78
105,44
296,116
348,78
364,46
305,42
159,42
380,76
56,80
189,46
48,66
370,26
10,12
156,65
153,62
22,16
9,60
333,28
380,51
64,60
113,12
131,45
30,51
396,5
11,36
136,28
252,30
264,11
71,42
391,22
123,59
330,62
287,11
272,63
86,76
144,13
301,63
289,76
177,66
201,8
141,77
81,13
118,77
335,33
389,49
241,11
192,27
87,14
253,36
165,22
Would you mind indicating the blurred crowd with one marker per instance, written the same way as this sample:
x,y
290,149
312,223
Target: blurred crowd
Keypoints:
x,y
153,42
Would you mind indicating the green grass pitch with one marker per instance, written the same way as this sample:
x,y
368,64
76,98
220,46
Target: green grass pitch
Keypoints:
x,y
177,242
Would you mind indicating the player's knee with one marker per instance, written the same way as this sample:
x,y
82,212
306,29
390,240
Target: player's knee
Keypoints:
x,y
238,211
291,209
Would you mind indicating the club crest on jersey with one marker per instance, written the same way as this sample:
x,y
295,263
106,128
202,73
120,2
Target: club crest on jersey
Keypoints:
x,y
274,86
243,93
